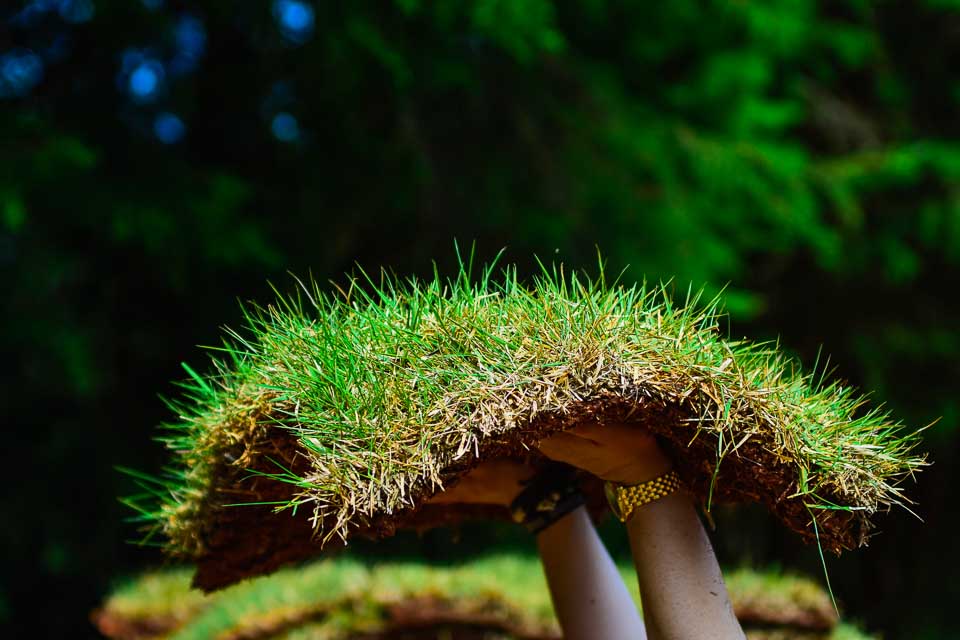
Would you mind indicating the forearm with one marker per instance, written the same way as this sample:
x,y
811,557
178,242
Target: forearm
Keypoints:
x,y
681,586
588,594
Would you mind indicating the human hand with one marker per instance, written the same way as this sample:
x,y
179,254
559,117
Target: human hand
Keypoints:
x,y
493,482
622,453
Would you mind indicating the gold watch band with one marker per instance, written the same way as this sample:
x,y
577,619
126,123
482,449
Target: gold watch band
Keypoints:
x,y
624,500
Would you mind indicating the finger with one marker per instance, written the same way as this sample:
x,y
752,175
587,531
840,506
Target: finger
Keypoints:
x,y
590,430
583,434
596,430
565,440
565,446
609,433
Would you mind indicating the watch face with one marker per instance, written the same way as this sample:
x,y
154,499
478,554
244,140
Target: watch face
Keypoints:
x,y
613,499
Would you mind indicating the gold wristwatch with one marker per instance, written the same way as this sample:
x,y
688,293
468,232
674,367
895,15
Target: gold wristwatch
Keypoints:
x,y
625,499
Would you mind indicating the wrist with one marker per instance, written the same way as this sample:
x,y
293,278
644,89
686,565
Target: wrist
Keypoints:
x,y
559,529
660,512
627,500
547,497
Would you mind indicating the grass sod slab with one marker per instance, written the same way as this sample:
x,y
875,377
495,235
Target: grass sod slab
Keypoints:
x,y
337,414
503,596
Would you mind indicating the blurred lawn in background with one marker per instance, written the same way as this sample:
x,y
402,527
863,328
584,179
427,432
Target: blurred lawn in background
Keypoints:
x,y
160,159
502,596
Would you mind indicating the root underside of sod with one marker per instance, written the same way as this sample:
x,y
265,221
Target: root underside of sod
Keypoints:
x,y
339,415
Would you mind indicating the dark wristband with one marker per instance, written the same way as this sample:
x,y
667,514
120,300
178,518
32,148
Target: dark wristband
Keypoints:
x,y
547,497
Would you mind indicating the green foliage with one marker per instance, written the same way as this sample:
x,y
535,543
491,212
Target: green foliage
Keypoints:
x,y
803,153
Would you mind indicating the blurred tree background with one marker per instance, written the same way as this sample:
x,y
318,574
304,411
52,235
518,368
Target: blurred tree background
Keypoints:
x,y
161,159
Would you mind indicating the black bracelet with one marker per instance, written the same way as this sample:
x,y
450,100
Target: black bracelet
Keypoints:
x,y
551,494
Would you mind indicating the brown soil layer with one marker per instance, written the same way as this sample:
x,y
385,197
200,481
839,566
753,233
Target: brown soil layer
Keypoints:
x,y
424,617
269,626
120,627
816,620
428,618
784,634
415,619
246,541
